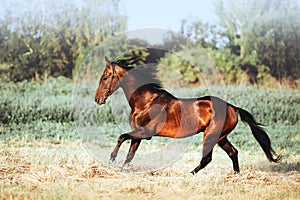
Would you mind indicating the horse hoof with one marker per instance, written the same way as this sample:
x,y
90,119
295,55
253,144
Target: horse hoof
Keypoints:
x,y
126,167
194,172
112,162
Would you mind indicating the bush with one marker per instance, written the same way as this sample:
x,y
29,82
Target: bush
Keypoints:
x,y
25,102
53,101
52,111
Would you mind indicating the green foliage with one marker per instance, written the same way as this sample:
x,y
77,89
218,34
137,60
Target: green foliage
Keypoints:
x,y
253,42
174,63
202,34
52,38
53,132
132,51
53,110
269,106
25,102
262,34
228,64
59,99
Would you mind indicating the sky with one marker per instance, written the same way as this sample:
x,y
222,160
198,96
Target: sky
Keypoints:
x,y
166,14
161,15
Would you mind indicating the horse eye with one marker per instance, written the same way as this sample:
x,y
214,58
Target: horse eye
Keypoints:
x,y
105,77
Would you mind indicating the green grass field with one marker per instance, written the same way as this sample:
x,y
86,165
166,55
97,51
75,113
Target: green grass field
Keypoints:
x,y
43,155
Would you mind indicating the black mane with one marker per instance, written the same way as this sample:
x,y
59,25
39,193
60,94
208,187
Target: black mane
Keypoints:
x,y
145,73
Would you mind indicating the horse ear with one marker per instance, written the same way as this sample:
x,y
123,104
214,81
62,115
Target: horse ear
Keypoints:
x,y
107,61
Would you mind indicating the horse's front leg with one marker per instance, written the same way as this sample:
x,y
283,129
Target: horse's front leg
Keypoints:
x,y
135,143
122,138
136,137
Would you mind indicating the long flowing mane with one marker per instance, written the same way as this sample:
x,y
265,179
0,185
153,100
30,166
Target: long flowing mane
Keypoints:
x,y
144,74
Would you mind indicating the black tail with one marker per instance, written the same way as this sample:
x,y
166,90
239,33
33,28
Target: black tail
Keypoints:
x,y
260,135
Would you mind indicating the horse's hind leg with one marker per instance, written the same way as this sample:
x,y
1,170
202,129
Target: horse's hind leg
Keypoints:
x,y
232,153
210,139
204,161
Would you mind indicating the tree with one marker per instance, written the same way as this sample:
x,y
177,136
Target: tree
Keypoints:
x,y
53,38
202,34
262,34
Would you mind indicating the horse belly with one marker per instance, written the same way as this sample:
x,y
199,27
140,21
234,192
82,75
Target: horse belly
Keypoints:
x,y
180,130
189,117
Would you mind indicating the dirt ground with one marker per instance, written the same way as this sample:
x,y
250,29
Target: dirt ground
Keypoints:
x,y
57,171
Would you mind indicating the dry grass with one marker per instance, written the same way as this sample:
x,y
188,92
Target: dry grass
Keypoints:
x,y
66,171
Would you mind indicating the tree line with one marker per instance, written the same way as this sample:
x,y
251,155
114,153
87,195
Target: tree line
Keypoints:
x,y
52,38
256,41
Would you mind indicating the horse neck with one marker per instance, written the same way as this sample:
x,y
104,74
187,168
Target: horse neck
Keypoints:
x,y
133,89
129,87
134,81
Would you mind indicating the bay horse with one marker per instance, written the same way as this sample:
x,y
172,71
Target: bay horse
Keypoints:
x,y
156,112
